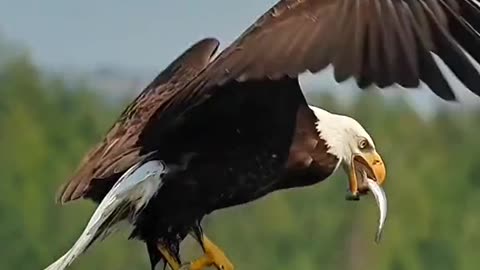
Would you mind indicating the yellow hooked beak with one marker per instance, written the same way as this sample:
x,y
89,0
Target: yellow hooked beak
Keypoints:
x,y
368,164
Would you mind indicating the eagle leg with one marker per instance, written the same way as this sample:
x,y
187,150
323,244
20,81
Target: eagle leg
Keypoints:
x,y
213,256
171,260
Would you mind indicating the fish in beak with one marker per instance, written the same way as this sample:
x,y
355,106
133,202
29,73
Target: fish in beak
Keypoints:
x,y
367,173
381,200
370,163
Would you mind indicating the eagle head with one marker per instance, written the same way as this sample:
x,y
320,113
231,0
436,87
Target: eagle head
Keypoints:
x,y
355,149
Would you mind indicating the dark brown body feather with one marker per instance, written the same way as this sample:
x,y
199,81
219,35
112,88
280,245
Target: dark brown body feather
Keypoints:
x,y
121,148
239,127
234,148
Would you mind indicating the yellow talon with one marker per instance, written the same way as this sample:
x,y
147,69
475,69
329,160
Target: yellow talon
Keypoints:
x,y
214,256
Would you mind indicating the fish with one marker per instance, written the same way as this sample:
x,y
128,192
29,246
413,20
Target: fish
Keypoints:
x,y
381,200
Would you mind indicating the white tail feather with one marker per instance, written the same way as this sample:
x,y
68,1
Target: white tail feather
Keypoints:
x,y
136,187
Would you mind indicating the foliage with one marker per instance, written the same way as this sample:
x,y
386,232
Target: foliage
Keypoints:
x,y
434,192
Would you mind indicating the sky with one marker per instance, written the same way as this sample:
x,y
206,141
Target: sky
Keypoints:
x,y
143,36
135,34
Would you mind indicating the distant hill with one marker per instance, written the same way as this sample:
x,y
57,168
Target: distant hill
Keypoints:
x,y
117,83
114,83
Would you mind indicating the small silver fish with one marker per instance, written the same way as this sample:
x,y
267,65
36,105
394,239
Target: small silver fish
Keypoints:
x,y
381,200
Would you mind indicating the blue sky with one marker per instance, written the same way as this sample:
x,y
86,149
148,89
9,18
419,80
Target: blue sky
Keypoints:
x,y
138,35
142,34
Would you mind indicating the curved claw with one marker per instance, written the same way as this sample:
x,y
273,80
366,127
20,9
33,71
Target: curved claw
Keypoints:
x,y
213,256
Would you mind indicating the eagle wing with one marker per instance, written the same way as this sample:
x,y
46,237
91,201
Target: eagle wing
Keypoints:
x,y
379,42
119,149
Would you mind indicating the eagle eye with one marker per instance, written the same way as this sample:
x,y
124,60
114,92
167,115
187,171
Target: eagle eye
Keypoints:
x,y
363,144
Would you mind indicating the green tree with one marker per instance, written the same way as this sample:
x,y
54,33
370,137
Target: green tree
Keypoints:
x,y
47,124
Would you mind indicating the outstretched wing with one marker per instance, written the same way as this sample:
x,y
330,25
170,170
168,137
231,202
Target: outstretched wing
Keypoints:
x,y
378,42
119,149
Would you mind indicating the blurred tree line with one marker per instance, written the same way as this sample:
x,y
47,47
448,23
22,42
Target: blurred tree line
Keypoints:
x,y
46,125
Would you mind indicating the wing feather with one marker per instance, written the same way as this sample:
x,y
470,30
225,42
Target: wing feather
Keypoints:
x,y
379,42
120,148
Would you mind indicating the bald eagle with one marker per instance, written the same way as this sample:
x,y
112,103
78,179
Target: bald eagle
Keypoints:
x,y
212,132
